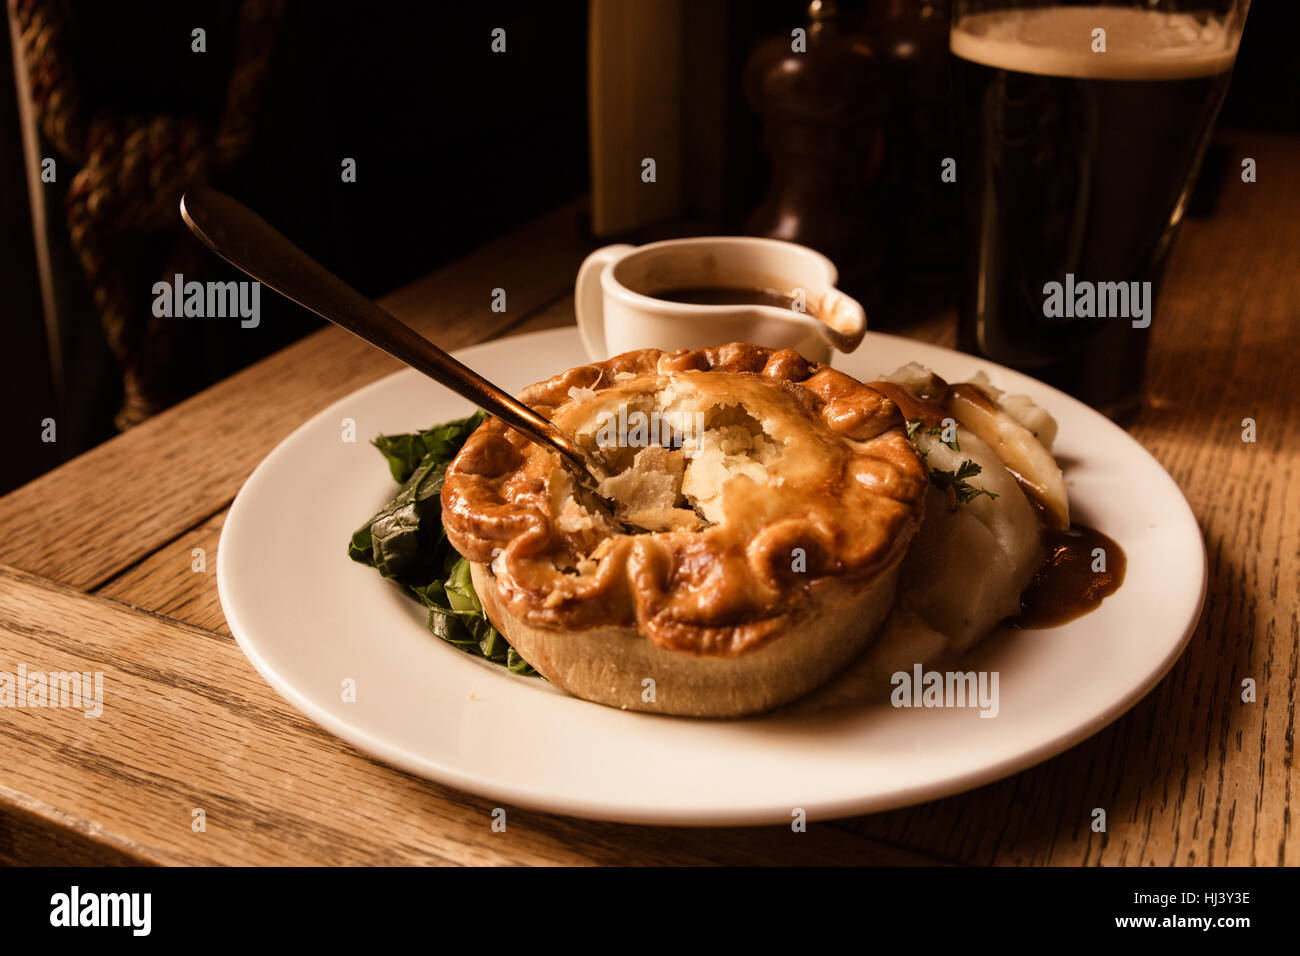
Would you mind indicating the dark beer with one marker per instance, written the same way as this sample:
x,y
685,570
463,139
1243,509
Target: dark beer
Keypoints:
x,y
1075,168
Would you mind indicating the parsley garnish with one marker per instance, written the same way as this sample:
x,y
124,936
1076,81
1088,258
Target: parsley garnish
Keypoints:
x,y
914,426
937,431
961,488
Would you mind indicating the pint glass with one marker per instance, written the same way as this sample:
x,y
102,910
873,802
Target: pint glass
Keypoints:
x,y
1082,130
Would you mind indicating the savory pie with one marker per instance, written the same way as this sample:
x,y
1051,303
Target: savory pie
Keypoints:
x,y
770,502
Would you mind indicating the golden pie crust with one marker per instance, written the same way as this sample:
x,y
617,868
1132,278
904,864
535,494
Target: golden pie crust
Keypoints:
x,y
843,498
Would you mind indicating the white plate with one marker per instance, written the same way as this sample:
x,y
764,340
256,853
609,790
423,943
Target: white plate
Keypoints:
x,y
310,619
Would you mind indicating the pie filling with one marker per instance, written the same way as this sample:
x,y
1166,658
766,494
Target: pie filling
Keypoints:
x,y
671,458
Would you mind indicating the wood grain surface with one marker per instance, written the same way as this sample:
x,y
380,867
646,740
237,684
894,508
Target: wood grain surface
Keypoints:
x,y
188,725
103,579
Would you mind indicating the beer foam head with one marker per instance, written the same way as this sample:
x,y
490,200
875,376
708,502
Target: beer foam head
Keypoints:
x,y
1059,41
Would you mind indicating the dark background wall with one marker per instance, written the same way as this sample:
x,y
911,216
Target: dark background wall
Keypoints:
x,y
453,144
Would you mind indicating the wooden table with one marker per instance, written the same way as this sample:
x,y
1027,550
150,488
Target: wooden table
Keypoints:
x,y
96,574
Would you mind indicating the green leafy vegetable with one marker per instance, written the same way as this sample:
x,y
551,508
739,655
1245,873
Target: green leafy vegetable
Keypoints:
x,y
405,542
405,453
397,533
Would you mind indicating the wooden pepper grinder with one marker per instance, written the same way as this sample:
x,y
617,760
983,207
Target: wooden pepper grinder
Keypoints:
x,y
821,100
